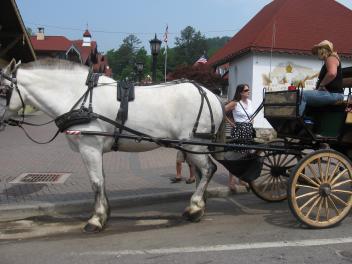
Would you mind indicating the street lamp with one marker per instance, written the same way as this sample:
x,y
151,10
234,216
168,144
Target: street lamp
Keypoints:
x,y
155,48
139,66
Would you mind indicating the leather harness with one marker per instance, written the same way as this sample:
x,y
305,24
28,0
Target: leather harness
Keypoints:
x,y
125,94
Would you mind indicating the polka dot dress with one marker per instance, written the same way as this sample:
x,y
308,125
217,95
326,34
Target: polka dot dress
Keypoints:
x,y
242,132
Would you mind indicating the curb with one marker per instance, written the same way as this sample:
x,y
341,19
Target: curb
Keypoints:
x,y
13,212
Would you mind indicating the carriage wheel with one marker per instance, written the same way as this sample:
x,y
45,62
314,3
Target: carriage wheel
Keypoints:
x,y
320,189
271,185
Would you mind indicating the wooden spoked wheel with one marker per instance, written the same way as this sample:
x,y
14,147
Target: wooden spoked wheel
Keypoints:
x,y
272,184
320,189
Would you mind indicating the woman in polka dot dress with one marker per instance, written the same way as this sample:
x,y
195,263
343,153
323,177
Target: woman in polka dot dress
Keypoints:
x,y
239,110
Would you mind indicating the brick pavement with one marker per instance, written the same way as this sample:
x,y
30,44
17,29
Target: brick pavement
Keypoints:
x,y
127,174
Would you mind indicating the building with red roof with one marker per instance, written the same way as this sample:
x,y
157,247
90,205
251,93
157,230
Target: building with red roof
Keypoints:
x,y
273,50
84,51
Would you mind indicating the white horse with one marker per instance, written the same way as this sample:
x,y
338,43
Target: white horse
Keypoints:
x,y
161,111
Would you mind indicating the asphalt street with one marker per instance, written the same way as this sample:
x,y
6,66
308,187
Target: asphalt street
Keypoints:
x,y
236,229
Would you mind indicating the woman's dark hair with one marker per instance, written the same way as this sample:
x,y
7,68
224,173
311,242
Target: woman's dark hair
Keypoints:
x,y
239,90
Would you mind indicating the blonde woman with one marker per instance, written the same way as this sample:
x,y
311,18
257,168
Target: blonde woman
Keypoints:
x,y
329,86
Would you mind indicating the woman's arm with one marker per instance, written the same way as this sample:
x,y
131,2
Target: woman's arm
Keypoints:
x,y
228,112
230,106
230,121
332,64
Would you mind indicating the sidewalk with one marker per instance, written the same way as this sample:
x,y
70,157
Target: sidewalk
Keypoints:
x,y
131,178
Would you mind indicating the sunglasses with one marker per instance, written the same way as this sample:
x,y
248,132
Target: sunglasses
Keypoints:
x,y
246,90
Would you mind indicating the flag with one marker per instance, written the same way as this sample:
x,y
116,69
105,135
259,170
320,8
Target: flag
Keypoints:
x,y
166,33
202,60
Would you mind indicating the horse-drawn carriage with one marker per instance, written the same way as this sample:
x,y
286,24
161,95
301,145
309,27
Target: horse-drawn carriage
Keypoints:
x,y
314,172
317,180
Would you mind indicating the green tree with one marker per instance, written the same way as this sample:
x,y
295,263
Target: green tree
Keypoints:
x,y
122,61
214,44
142,56
189,46
29,31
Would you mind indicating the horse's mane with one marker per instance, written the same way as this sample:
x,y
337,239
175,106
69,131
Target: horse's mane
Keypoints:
x,y
53,63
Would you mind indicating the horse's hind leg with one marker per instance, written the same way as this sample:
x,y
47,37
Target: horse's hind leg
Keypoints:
x,y
205,169
93,160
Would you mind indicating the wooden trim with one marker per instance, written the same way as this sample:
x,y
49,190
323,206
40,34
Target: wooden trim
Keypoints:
x,y
10,46
24,31
347,82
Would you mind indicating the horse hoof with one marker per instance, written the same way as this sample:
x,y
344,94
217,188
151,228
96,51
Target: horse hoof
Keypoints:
x,y
193,216
91,229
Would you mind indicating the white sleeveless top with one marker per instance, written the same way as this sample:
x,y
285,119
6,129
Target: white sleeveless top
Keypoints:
x,y
238,113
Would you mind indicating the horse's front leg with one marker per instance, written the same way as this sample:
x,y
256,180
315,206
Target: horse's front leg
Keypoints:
x,y
93,159
205,169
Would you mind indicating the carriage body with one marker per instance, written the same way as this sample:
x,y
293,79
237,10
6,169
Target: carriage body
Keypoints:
x,y
322,124
329,124
318,181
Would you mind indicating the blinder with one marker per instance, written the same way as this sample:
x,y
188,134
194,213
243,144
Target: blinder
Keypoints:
x,y
7,89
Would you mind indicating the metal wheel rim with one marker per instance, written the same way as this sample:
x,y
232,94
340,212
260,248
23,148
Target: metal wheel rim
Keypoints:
x,y
321,189
274,188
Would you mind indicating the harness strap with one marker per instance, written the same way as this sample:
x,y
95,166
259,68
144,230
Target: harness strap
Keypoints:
x,y
195,127
91,82
119,125
38,142
125,93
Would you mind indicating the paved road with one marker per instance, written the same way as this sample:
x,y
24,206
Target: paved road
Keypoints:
x,y
237,229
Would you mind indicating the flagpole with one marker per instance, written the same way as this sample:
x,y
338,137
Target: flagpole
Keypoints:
x,y
165,61
166,40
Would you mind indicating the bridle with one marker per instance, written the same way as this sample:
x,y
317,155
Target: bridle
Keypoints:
x,y
6,91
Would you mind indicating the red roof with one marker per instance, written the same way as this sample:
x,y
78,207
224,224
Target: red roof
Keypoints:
x,y
86,50
87,33
51,43
102,65
60,43
299,24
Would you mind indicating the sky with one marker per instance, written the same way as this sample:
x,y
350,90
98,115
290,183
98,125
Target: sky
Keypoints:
x,y
110,21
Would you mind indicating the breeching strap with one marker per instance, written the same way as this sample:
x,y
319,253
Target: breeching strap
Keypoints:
x,y
203,95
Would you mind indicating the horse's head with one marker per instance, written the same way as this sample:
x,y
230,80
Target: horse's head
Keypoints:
x,y
8,83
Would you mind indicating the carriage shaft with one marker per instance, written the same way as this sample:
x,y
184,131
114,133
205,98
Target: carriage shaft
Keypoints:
x,y
172,143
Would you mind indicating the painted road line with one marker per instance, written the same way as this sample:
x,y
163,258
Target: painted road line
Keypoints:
x,y
229,247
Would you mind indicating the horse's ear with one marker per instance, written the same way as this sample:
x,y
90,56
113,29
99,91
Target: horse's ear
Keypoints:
x,y
15,68
11,66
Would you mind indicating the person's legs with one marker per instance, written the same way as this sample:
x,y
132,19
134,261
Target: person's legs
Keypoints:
x,y
318,98
192,177
178,169
180,157
233,181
